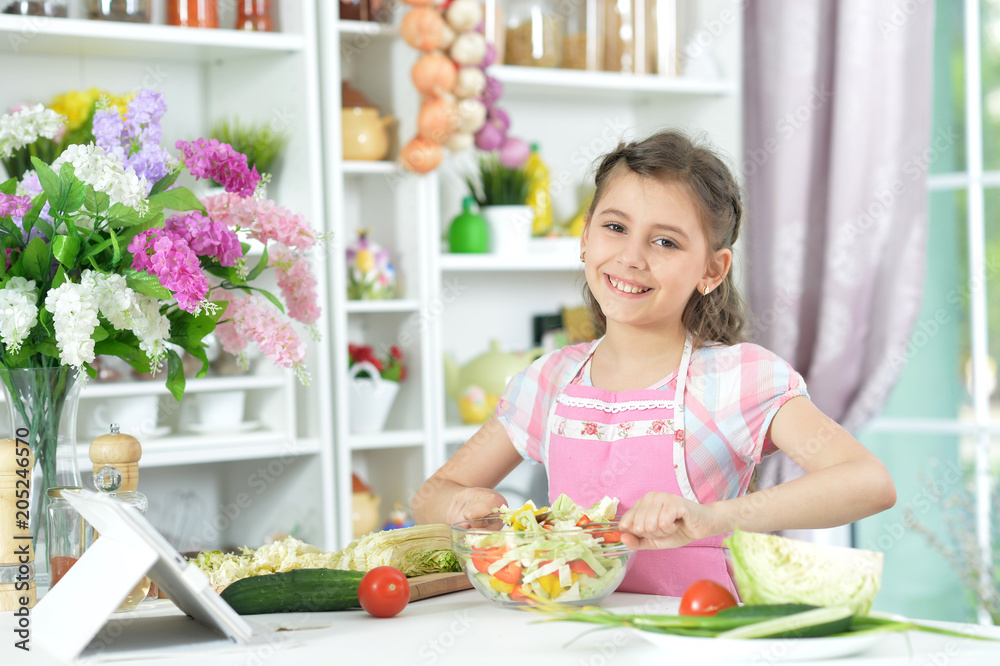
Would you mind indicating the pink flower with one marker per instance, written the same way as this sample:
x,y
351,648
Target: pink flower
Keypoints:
x,y
252,319
14,206
658,427
206,237
173,262
297,283
590,429
207,158
265,220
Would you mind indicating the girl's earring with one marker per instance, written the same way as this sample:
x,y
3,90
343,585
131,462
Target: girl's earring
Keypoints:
x,y
706,290
583,256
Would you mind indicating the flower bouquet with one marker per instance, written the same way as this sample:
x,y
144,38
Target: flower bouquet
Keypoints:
x,y
105,254
374,385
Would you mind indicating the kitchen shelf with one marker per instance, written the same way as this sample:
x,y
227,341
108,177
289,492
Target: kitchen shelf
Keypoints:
x,y
190,450
367,28
28,35
562,82
388,305
388,439
490,262
361,167
155,387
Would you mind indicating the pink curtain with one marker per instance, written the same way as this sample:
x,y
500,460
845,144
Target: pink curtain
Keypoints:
x,y
836,134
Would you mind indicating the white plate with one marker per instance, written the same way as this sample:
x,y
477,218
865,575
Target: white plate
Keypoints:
x,y
761,650
221,429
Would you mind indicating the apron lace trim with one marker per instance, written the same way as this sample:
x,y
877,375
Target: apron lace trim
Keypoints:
x,y
614,407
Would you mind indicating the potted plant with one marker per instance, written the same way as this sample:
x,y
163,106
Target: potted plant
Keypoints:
x,y
374,385
502,194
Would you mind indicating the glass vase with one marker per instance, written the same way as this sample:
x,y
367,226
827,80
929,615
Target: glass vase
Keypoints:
x,y
42,404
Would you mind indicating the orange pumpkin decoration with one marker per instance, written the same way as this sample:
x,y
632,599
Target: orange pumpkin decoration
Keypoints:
x,y
423,28
434,74
421,155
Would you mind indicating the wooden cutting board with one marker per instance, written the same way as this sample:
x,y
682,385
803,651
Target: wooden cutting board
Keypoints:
x,y
436,584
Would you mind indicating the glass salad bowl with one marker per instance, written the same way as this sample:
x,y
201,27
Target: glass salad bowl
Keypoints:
x,y
573,565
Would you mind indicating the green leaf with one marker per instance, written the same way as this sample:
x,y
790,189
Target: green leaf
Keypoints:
x,y
271,297
32,219
259,268
65,249
228,273
125,346
96,203
59,277
76,195
165,182
51,184
175,375
120,215
116,256
179,199
9,186
146,284
100,333
35,260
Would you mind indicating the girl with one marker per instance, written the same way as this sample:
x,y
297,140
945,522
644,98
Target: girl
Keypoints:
x,y
671,409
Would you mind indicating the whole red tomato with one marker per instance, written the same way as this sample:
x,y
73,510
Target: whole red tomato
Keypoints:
x,y
384,591
705,597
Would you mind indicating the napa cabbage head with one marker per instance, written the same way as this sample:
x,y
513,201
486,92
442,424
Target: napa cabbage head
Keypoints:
x,y
774,570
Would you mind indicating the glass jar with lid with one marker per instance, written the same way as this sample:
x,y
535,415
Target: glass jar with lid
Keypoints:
x,y
128,11
534,34
57,8
254,15
67,533
583,36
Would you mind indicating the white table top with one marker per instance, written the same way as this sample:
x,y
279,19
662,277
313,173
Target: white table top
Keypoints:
x,y
466,630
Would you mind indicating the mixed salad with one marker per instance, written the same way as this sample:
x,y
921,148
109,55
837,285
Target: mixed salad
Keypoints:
x,y
564,552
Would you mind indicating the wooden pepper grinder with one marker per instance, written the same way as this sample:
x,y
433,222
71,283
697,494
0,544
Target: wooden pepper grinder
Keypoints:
x,y
122,452
17,574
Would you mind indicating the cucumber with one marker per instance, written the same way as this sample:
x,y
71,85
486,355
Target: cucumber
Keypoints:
x,y
811,623
298,591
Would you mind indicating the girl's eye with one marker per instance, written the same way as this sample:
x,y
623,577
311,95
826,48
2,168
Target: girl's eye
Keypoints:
x,y
665,242
614,226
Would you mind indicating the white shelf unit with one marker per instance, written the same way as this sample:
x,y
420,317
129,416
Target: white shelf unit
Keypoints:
x,y
205,75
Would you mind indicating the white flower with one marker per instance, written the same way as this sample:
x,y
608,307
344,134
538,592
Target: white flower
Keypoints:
x,y
18,311
94,167
126,310
74,313
22,127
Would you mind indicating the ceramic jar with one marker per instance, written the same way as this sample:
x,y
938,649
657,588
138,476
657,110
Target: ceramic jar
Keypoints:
x,y
365,134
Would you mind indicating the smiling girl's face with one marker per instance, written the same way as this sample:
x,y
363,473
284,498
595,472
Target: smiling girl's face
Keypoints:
x,y
647,253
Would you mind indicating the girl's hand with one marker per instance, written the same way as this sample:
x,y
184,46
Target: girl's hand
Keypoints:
x,y
470,503
664,520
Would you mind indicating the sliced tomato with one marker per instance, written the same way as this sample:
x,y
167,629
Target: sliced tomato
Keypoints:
x,y
705,597
609,536
519,594
510,573
583,520
581,567
482,558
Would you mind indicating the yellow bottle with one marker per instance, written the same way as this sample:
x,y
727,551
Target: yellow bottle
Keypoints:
x,y
539,197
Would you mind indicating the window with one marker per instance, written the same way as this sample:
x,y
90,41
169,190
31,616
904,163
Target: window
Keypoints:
x,y
940,432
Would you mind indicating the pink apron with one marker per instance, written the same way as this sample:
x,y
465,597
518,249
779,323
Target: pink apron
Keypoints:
x,y
625,445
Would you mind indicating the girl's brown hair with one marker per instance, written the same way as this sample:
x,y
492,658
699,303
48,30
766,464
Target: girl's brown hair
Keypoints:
x,y
671,156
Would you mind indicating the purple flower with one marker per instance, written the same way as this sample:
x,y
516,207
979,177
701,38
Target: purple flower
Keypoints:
x,y
143,117
206,237
207,158
150,161
12,205
135,141
109,130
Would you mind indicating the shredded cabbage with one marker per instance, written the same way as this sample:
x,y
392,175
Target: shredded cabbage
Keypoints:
x,y
771,569
413,550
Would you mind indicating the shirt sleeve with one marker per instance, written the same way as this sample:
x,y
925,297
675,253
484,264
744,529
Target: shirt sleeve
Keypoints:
x,y
753,385
523,409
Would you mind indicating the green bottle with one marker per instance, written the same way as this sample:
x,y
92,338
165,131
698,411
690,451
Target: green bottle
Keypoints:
x,y
468,232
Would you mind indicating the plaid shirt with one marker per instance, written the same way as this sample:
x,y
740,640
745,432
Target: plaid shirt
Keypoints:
x,y
733,393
